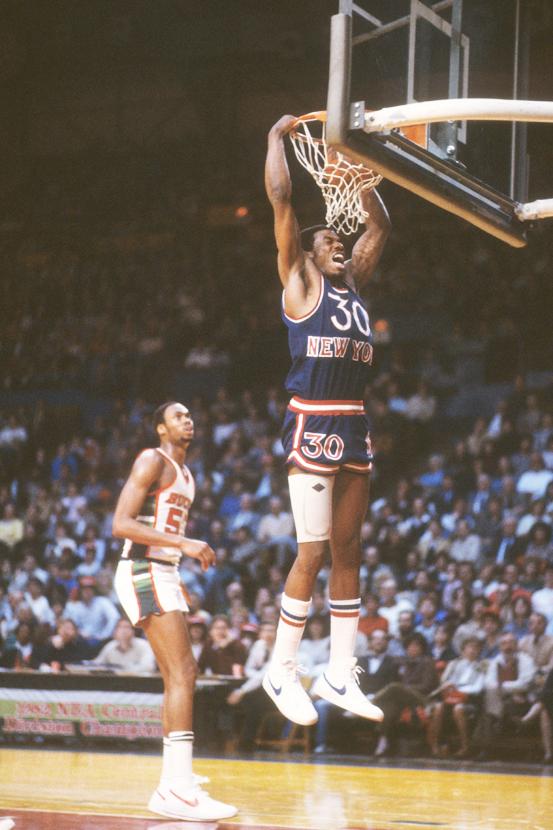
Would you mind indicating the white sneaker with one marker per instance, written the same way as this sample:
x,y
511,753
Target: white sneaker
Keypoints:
x,y
193,804
285,690
347,693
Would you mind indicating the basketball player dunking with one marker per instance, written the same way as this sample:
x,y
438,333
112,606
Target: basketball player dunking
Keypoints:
x,y
151,516
325,434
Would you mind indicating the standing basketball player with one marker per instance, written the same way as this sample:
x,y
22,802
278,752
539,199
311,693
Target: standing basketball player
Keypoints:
x,y
325,434
151,516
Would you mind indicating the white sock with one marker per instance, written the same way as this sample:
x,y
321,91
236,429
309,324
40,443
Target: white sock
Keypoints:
x,y
293,616
177,760
344,619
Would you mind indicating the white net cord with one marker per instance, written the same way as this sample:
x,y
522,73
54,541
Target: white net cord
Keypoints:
x,y
341,181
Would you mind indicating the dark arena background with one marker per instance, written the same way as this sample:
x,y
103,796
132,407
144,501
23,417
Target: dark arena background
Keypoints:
x,y
138,265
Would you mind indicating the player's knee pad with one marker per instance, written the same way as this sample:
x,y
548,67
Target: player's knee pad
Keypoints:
x,y
311,499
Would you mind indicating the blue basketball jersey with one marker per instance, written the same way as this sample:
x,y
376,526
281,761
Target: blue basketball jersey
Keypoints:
x,y
330,347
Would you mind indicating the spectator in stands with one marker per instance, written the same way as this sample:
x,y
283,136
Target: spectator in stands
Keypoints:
x,y
520,616
539,542
542,600
222,653
466,546
537,644
418,678
461,686
427,624
535,480
536,513
509,547
252,701
491,625
473,627
126,652
433,542
371,620
18,651
276,530
38,603
314,649
11,527
397,646
442,649
95,616
509,677
197,630
543,708
64,647
391,605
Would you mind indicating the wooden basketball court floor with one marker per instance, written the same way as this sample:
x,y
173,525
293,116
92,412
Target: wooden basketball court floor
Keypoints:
x,y
43,789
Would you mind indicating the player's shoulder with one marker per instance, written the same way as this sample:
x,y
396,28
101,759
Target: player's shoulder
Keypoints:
x,y
149,459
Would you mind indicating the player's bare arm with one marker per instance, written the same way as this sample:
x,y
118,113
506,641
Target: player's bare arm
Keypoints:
x,y
299,276
146,471
368,248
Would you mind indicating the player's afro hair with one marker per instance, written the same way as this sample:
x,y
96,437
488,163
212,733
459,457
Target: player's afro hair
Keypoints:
x,y
308,236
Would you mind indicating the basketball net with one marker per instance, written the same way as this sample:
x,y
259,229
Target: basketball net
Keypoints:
x,y
341,181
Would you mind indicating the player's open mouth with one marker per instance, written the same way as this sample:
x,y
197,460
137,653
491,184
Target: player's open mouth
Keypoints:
x,y
338,258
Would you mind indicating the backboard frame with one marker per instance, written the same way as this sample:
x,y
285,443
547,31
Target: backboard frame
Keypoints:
x,y
444,182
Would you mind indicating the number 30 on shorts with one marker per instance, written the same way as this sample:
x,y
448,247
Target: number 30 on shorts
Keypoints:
x,y
318,443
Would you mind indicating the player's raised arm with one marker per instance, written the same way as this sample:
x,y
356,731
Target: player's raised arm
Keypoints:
x,y
146,471
278,185
368,248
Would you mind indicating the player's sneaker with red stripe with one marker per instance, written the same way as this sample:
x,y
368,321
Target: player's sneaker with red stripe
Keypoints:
x,y
283,686
343,690
193,804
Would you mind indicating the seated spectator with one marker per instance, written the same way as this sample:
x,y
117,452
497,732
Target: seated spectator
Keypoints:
x,y
465,546
370,619
508,547
38,603
92,540
127,652
11,527
417,678
95,616
489,524
427,623
197,631
18,651
391,605
314,648
535,480
247,516
222,653
276,529
537,644
530,577
460,690
520,616
217,579
379,671
433,542
474,626
543,708
542,600
66,646
509,677
251,699
491,625
535,514
397,646
442,649
539,544
478,502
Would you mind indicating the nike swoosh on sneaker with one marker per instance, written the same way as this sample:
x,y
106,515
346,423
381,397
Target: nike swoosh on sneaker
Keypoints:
x,y
341,691
273,687
191,802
